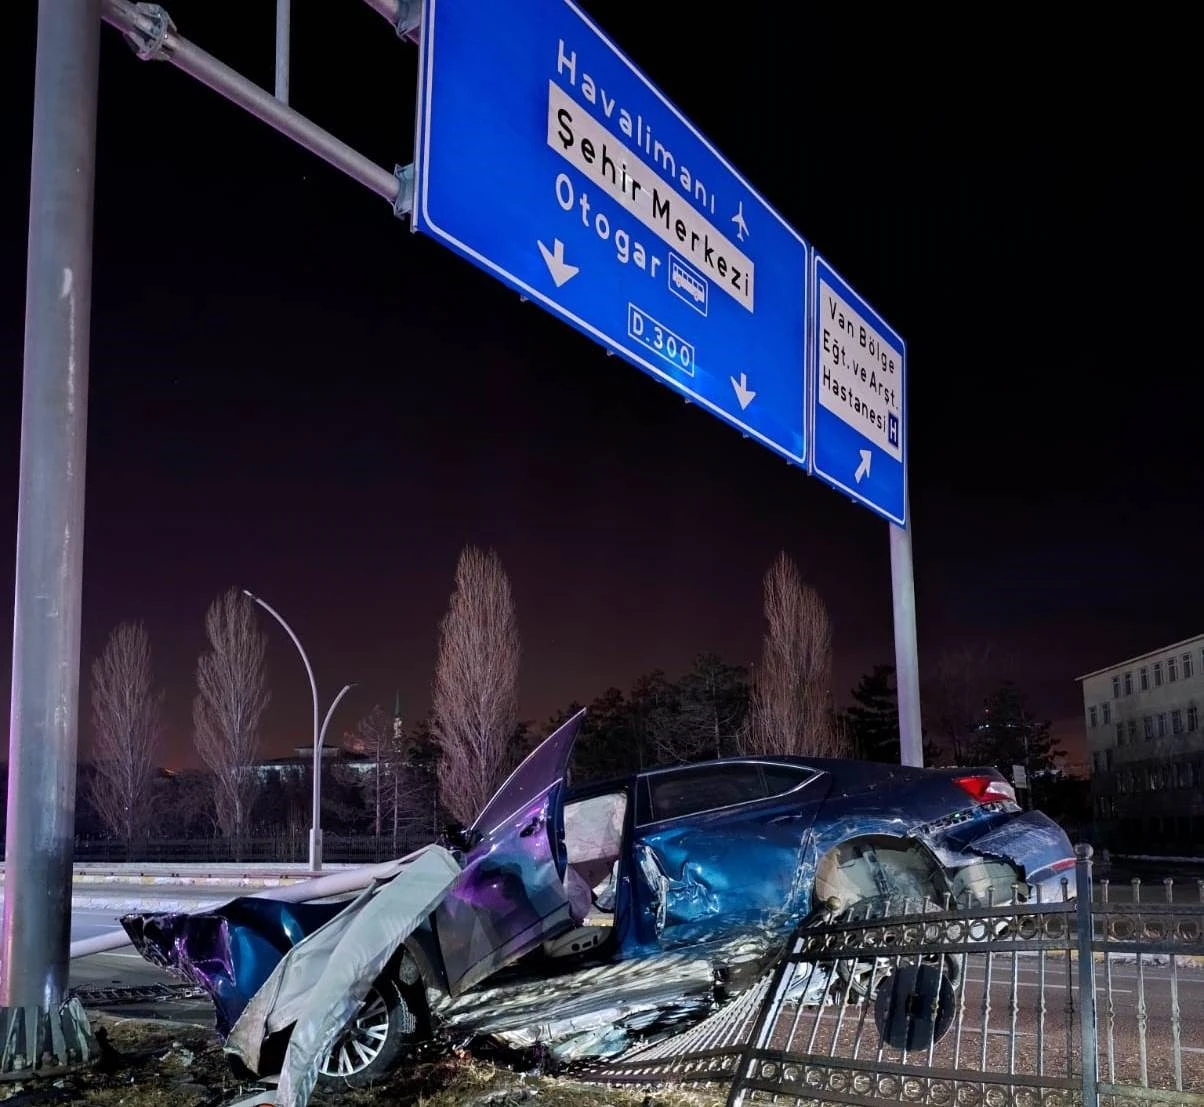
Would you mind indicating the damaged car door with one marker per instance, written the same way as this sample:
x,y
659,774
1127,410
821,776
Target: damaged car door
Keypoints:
x,y
721,848
511,894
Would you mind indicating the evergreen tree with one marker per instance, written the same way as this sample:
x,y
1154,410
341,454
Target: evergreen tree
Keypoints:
x,y
605,747
1008,735
874,718
712,707
654,710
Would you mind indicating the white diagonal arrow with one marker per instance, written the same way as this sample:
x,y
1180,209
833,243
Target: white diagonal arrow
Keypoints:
x,y
863,470
554,259
743,393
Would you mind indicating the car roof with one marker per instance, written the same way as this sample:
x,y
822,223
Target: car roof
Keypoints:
x,y
617,783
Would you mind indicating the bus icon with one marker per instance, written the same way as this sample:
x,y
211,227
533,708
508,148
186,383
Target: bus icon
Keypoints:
x,y
688,284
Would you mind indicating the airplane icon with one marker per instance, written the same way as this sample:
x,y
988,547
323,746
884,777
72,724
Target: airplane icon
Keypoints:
x,y
741,226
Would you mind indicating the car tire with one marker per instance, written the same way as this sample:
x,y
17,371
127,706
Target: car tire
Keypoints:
x,y
860,979
384,1030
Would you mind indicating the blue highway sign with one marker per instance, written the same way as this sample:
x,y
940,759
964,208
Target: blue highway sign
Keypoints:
x,y
546,158
859,426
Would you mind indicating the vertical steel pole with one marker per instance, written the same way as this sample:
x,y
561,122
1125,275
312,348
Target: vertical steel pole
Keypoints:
x,y
43,724
907,661
1088,1022
283,35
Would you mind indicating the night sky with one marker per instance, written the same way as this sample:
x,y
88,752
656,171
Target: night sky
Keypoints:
x,y
292,393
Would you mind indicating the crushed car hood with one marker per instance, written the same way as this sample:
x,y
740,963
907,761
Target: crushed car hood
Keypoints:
x,y
317,984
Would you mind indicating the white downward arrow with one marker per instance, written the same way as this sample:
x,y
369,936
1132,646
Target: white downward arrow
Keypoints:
x,y
743,393
863,470
554,259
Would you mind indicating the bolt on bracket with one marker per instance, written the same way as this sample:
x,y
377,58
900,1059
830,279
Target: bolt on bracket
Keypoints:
x,y
409,18
151,45
403,203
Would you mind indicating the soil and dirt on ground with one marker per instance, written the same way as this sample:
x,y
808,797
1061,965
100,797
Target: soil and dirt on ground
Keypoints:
x,y
145,1063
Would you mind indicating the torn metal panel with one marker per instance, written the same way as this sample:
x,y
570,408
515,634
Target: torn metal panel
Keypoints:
x,y
715,875
350,959
228,951
600,1010
568,1014
1030,844
365,932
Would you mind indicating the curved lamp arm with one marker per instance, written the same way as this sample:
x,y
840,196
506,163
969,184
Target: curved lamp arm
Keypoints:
x,y
313,684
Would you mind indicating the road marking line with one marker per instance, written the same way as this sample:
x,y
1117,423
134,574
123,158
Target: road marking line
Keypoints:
x,y
1050,985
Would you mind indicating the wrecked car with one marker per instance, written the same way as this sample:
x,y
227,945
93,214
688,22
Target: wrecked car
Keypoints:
x,y
579,919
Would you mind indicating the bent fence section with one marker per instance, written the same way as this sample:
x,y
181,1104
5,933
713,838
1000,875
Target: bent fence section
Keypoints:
x,y
1091,1000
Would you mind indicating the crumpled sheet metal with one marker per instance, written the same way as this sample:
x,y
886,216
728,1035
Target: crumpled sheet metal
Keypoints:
x,y
598,1011
207,951
700,885
1030,841
324,979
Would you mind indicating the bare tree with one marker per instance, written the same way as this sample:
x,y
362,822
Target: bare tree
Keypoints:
x,y
957,694
125,716
474,710
231,697
791,711
378,736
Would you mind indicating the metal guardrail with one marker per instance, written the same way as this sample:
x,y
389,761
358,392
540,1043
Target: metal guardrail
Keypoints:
x,y
94,996
1030,1004
276,849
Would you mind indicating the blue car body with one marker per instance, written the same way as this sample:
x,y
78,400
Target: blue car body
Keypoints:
x,y
681,861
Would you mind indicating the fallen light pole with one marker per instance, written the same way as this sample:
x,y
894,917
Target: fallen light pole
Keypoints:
x,y
321,887
319,734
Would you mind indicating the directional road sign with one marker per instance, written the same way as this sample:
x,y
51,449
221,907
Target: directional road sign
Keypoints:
x,y
859,428
546,158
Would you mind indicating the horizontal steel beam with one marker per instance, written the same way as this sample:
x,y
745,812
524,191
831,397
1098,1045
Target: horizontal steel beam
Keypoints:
x,y
152,34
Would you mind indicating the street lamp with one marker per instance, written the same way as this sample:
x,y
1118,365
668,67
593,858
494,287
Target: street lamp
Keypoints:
x,y
315,829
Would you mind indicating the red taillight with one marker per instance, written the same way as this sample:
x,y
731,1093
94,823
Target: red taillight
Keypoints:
x,y
986,789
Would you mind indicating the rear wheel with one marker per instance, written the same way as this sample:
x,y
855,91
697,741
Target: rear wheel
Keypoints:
x,y
385,1027
862,977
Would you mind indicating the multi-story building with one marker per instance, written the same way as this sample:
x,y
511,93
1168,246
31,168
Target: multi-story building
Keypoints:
x,y
300,763
1145,749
